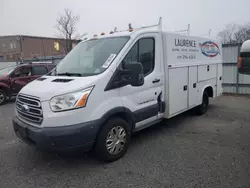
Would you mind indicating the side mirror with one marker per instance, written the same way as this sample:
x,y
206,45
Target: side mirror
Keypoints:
x,y
133,74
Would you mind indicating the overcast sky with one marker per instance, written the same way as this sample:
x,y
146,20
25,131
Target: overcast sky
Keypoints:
x,y
38,17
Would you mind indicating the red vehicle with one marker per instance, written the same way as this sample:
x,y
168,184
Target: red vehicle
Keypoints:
x,y
12,79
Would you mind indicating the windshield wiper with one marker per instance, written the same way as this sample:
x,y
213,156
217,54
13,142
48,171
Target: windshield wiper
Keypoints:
x,y
69,74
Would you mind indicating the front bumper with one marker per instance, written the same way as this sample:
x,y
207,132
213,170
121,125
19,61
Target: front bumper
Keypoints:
x,y
79,136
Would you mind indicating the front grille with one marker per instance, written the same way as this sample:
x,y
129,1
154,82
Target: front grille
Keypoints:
x,y
29,109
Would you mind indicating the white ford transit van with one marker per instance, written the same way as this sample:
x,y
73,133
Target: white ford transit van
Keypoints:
x,y
110,86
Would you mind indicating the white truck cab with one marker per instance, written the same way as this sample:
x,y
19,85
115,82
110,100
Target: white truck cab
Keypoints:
x,y
110,86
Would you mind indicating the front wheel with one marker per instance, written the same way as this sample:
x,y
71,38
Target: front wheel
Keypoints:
x,y
113,140
3,97
202,109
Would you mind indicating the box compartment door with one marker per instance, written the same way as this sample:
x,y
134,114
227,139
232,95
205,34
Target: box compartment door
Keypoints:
x,y
178,90
219,80
193,86
207,72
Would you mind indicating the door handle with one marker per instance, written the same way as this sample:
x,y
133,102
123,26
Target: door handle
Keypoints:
x,y
194,85
185,88
155,81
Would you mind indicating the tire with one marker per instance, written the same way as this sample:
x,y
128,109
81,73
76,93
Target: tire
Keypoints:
x,y
109,151
3,97
202,109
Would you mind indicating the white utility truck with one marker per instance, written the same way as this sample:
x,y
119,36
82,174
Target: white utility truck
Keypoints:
x,y
110,86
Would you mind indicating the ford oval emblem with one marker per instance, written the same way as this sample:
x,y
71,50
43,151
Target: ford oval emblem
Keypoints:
x,y
24,108
210,49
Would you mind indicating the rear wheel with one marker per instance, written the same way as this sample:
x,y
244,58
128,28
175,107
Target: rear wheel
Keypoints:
x,y
113,140
3,97
202,109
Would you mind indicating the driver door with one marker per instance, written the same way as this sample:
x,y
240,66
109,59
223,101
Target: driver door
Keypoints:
x,y
144,101
20,78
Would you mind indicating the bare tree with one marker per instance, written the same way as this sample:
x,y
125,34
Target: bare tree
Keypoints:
x,y
243,33
228,34
234,33
66,25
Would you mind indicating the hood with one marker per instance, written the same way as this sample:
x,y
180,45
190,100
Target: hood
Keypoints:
x,y
47,87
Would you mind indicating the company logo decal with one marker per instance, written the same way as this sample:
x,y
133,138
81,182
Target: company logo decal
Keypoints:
x,y
24,108
210,49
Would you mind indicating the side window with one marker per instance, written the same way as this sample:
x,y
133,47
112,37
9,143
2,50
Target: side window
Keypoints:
x,y
23,71
132,55
39,70
143,52
146,55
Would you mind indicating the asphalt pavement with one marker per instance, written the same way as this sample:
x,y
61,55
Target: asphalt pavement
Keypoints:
x,y
212,150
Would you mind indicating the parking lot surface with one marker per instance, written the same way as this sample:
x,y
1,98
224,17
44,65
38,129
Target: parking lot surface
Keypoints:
x,y
212,150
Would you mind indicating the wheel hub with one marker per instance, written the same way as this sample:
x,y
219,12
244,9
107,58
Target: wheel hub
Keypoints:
x,y
116,140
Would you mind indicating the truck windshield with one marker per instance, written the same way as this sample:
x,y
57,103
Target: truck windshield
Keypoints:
x,y
91,57
6,71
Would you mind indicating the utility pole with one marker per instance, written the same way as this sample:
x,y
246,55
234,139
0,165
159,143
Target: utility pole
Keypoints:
x,y
20,40
44,55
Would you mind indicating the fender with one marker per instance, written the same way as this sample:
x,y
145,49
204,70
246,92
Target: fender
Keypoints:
x,y
203,89
119,111
5,87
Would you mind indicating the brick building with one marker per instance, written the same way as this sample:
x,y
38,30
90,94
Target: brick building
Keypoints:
x,y
16,47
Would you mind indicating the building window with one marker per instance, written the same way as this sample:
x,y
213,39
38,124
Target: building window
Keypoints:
x,y
12,45
57,46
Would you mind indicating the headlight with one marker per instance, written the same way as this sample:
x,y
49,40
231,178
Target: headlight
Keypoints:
x,y
70,101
